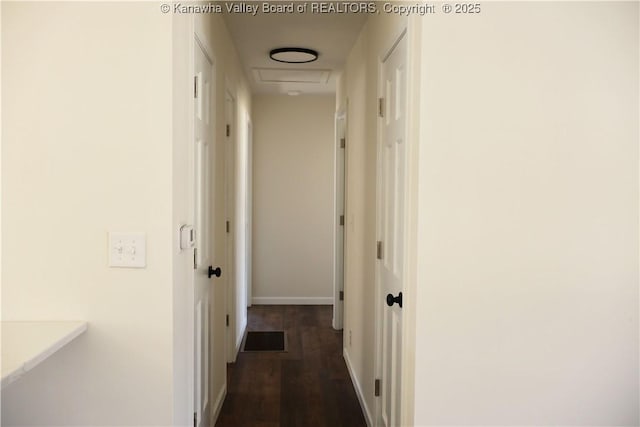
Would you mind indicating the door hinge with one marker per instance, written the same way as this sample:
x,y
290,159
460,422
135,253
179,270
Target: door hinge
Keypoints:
x,y
227,320
195,419
228,226
195,255
381,107
379,250
341,219
376,388
343,142
195,86
341,296
228,130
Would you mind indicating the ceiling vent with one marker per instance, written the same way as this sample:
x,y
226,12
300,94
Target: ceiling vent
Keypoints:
x,y
275,75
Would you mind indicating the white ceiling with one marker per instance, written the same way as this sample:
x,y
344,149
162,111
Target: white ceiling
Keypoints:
x,y
331,34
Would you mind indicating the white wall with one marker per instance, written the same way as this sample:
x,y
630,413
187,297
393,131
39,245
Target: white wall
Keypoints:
x,y
86,149
293,199
182,181
241,225
528,227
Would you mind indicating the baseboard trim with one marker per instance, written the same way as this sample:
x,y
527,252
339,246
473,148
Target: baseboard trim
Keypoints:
x,y
239,340
217,407
292,300
356,385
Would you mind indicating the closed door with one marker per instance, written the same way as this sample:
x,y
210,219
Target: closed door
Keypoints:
x,y
202,251
391,223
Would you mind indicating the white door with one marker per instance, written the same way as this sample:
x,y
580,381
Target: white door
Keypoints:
x,y
391,223
202,251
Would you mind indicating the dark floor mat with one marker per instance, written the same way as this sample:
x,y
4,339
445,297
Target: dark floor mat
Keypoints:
x,y
265,341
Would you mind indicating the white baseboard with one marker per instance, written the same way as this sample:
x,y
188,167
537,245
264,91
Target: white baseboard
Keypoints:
x,y
356,385
217,407
239,340
292,300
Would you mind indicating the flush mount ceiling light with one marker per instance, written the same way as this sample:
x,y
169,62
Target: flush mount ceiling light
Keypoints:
x,y
293,55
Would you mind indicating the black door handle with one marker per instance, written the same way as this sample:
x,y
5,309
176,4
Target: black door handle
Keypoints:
x,y
392,300
217,272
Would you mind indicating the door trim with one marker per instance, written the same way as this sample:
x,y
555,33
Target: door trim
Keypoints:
x,y
232,346
249,207
413,30
339,234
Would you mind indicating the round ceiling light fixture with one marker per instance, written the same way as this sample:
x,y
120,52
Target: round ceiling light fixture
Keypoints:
x,y
293,55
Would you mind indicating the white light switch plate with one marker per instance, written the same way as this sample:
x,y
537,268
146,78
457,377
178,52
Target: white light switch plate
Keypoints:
x,y
127,250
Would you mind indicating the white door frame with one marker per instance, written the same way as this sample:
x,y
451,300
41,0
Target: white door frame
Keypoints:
x,y
407,30
414,39
249,206
230,212
189,308
241,221
339,212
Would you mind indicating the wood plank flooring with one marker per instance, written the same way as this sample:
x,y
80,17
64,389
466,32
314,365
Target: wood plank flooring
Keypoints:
x,y
309,386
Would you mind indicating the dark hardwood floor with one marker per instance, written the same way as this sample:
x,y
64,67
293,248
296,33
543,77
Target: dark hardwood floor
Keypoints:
x,y
308,386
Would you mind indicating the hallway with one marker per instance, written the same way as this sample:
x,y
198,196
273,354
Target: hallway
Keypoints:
x,y
307,386
461,181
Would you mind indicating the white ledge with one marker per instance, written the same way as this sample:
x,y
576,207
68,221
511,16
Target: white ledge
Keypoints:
x,y
26,344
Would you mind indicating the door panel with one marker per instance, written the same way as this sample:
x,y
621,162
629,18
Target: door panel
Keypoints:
x,y
202,225
391,229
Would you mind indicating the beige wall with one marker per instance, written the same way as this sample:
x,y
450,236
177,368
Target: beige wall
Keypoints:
x,y
86,149
90,146
528,224
293,199
182,260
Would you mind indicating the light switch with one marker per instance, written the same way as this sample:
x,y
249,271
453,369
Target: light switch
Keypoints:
x,y
127,250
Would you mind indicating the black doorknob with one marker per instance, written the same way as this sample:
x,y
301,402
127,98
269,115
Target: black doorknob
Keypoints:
x,y
217,272
392,300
